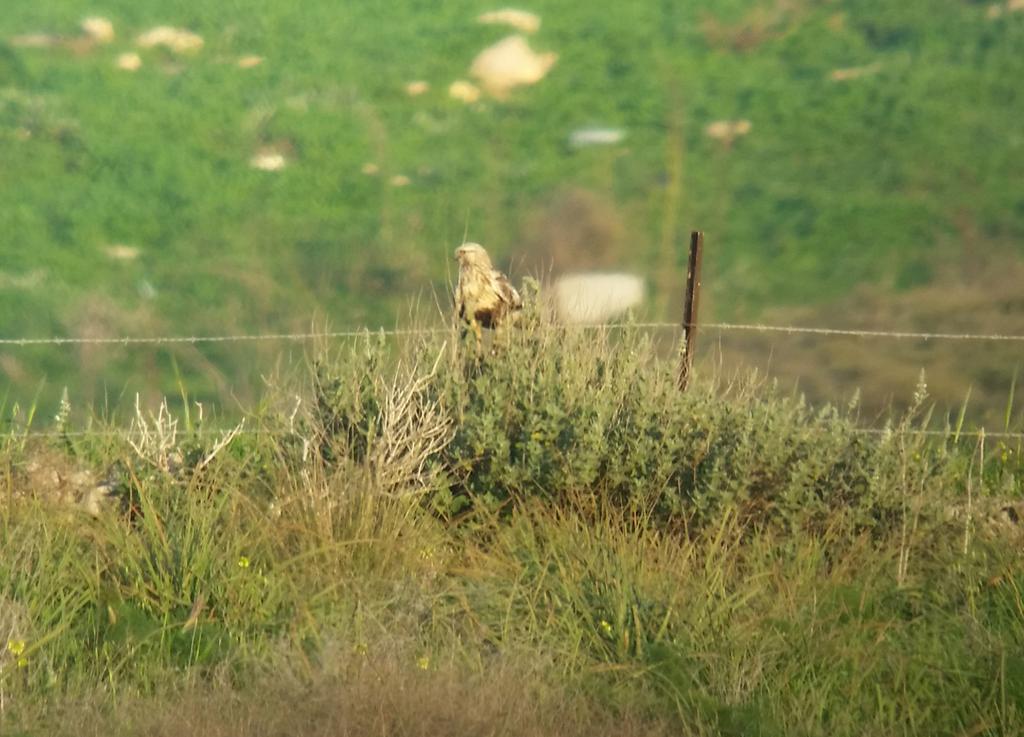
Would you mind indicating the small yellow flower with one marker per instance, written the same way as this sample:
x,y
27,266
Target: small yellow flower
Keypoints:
x,y
606,627
22,662
423,663
243,562
16,647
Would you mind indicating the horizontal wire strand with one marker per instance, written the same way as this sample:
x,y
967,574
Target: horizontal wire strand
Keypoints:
x,y
17,435
902,335
253,337
297,337
366,332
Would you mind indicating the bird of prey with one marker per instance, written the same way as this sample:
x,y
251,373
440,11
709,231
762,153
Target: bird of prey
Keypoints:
x,y
484,298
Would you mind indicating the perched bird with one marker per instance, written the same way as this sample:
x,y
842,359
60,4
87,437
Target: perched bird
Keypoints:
x,y
484,298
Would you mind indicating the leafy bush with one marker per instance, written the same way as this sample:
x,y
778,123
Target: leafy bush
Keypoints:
x,y
553,413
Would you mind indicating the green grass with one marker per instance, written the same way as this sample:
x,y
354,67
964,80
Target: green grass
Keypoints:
x,y
408,539
891,178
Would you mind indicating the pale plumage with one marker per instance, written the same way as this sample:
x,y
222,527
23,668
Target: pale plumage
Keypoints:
x,y
484,298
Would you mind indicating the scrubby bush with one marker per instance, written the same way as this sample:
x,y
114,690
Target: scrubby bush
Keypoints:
x,y
552,413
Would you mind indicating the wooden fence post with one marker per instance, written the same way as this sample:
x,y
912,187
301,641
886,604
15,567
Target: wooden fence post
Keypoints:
x,y
690,307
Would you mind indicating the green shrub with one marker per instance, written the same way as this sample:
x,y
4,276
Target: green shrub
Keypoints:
x,y
551,413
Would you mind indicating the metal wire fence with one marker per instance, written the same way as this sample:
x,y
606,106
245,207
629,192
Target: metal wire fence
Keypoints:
x,y
400,332
328,335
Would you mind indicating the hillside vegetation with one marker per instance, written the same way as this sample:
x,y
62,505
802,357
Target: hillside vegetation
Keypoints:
x,y
885,143
552,540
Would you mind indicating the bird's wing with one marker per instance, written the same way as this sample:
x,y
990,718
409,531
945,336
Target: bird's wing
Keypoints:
x,y
460,300
505,291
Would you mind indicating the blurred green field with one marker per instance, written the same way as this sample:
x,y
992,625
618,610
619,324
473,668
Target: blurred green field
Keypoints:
x,y
892,178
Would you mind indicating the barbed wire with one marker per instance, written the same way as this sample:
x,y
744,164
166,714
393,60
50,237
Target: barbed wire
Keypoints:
x,y
128,432
297,337
367,332
219,432
850,332
950,434
334,334
192,339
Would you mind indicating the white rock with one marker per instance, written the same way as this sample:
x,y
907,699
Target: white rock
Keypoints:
x,y
728,130
510,63
596,297
129,61
25,280
177,40
120,252
98,29
844,75
465,91
416,88
521,20
268,161
35,41
596,137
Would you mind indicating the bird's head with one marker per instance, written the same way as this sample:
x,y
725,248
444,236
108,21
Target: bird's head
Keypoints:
x,y
472,254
